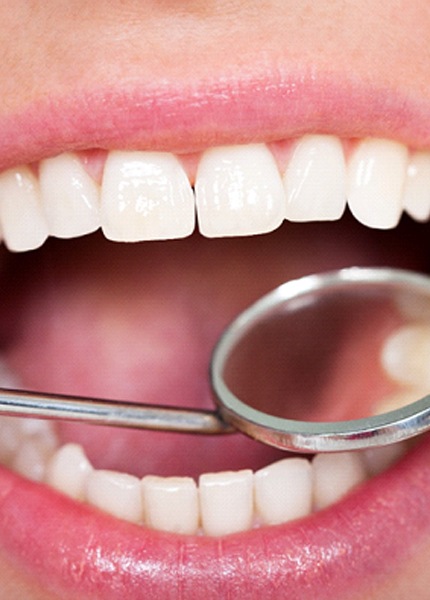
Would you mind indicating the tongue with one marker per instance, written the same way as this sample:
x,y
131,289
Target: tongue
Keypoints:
x,y
138,323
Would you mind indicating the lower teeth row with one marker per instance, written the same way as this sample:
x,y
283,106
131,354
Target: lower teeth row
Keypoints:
x,y
221,503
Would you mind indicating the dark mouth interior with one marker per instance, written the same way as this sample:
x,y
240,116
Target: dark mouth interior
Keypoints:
x,y
137,322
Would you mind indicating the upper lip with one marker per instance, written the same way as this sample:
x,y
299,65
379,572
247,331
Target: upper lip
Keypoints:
x,y
185,119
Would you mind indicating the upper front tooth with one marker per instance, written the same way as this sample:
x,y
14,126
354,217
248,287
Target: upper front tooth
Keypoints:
x,y
23,223
376,177
315,180
70,197
416,200
145,195
238,191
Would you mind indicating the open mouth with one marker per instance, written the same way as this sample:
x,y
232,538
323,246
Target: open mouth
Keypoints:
x,y
138,321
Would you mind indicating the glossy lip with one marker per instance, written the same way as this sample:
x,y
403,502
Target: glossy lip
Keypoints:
x,y
332,552
191,118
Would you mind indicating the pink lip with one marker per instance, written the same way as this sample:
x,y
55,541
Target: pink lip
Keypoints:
x,y
189,119
350,546
80,551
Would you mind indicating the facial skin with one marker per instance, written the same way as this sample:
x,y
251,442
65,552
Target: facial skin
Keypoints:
x,y
99,72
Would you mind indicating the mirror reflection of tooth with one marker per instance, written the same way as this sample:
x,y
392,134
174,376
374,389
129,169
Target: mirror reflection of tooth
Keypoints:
x,y
405,356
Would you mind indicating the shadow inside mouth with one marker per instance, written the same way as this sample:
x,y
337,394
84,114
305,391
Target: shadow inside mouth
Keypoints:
x,y
137,322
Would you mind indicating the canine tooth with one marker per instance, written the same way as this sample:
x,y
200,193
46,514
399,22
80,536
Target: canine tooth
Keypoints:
x,y
377,460
335,475
145,195
315,180
171,504
376,177
283,491
118,494
405,355
23,223
226,502
238,191
416,197
32,458
70,197
68,471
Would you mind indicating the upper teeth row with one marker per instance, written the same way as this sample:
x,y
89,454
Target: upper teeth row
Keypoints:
x,y
239,190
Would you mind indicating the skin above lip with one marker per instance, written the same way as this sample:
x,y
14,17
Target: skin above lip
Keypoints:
x,y
364,546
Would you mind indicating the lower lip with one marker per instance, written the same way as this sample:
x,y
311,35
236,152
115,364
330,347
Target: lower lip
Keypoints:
x,y
350,547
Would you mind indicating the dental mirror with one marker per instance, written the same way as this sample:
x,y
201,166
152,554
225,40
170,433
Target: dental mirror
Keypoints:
x,y
313,366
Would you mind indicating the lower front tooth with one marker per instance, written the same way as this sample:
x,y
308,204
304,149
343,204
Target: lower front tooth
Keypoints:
x,y
118,494
70,197
315,180
335,475
283,491
226,502
238,191
22,220
376,177
171,504
68,471
31,459
145,196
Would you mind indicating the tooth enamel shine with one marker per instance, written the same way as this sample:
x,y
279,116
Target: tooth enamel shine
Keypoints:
x,y
376,178
145,195
315,180
238,191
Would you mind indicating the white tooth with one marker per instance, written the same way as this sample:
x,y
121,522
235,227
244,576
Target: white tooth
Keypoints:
x,y
70,197
377,460
416,197
145,195
68,471
335,475
239,191
23,223
283,491
405,355
118,494
226,502
32,457
171,504
376,177
315,180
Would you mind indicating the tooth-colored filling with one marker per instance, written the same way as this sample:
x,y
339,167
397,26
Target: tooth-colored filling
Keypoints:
x,y
238,190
